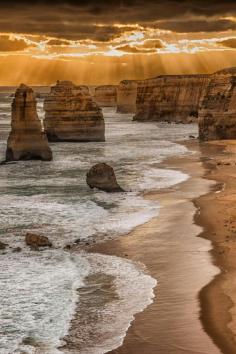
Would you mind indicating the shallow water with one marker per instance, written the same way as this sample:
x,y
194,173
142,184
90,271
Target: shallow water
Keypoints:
x,y
38,289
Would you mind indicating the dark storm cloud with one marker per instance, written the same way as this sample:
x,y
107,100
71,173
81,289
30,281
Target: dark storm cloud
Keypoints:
x,y
195,25
78,19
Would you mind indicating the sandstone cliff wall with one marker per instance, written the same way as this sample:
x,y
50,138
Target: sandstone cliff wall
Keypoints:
x,y
217,116
26,140
72,115
172,98
106,95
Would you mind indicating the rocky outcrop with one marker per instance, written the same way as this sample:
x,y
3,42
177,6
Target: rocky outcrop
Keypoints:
x,y
26,140
3,246
126,96
72,115
35,241
217,117
171,98
106,95
102,176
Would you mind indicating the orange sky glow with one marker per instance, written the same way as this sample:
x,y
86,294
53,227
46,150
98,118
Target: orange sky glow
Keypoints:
x,y
118,50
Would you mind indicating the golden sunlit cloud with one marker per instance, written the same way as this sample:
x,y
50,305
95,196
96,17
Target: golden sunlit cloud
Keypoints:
x,y
122,39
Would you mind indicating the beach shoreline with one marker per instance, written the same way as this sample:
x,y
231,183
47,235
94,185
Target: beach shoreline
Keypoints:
x,y
218,218
148,330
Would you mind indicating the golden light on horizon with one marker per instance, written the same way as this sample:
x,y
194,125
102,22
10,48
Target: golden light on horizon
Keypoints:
x,y
126,47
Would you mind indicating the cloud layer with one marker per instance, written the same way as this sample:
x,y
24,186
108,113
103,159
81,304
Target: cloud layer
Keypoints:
x,y
126,33
82,19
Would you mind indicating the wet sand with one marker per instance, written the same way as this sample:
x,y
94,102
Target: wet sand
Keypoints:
x,y
218,216
173,254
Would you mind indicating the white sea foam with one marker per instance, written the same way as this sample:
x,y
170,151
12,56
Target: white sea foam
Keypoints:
x,y
38,297
135,292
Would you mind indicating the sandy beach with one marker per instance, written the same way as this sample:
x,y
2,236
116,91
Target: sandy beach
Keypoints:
x,y
181,262
218,217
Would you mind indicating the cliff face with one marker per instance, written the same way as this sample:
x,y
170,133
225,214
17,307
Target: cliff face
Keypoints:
x,y
173,98
26,140
217,117
72,115
126,96
106,95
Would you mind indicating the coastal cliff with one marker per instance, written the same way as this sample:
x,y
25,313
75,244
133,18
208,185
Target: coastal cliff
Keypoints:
x,y
26,140
106,95
72,115
126,96
171,98
217,117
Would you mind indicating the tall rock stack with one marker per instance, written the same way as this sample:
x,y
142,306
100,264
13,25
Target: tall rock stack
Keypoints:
x,y
126,96
217,118
26,140
172,98
72,115
106,95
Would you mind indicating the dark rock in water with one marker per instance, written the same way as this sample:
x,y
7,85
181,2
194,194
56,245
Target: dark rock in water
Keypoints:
x,y
30,341
102,176
17,250
192,137
3,246
36,241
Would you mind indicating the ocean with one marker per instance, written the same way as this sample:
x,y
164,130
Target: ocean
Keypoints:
x,y
41,290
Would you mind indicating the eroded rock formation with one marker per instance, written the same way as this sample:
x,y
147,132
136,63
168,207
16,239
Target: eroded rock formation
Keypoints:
x,y
217,117
72,115
106,95
102,176
26,140
126,96
171,98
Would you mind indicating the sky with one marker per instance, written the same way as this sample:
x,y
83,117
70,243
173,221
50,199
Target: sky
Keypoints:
x,y
103,42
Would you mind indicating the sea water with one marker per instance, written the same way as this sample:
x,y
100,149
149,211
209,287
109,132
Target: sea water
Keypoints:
x,y
39,290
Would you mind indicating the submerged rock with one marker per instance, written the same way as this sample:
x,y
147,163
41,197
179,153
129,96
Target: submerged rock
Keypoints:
x,y
16,250
26,140
3,246
35,241
72,115
102,176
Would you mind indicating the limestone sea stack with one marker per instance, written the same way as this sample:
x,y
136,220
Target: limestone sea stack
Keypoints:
x,y
102,176
126,96
106,95
26,141
72,115
170,98
217,117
